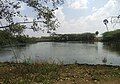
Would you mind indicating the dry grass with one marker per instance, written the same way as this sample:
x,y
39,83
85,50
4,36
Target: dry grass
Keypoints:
x,y
45,73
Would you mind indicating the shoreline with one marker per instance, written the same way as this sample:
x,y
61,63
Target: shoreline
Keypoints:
x,y
64,64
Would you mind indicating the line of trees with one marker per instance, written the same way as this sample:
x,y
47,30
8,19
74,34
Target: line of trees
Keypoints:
x,y
86,37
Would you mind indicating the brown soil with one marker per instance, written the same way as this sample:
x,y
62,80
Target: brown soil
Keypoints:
x,y
12,73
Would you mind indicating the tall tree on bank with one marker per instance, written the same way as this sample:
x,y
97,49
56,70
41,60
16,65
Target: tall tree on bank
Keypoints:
x,y
9,9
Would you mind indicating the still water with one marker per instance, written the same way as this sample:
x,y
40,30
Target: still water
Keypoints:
x,y
69,52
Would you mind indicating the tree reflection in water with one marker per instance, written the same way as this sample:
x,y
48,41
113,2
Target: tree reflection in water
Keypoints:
x,y
112,47
104,60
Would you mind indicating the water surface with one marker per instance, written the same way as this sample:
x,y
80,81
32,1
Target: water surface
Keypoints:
x,y
69,52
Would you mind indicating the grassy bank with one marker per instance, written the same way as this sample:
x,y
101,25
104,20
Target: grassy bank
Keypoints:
x,y
44,73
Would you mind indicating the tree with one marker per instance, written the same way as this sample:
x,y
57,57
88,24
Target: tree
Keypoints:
x,y
16,29
4,37
10,9
112,36
96,33
106,22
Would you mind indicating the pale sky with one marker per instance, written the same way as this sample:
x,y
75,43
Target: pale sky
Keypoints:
x,y
79,16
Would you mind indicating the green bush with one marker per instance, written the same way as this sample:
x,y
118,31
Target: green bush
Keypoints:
x,y
7,38
112,36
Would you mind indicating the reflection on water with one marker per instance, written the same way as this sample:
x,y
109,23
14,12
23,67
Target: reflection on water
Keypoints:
x,y
112,47
69,52
104,60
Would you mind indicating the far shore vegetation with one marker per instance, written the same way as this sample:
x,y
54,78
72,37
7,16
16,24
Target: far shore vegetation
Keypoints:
x,y
111,36
7,38
86,37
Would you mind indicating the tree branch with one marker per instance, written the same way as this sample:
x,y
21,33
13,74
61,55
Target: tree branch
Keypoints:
x,y
20,23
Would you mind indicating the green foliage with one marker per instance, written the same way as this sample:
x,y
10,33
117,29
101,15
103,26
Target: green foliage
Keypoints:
x,y
87,37
44,10
16,28
112,36
26,39
7,38
8,10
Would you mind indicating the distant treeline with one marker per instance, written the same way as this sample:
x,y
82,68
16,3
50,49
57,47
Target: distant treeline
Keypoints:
x,y
86,37
7,38
112,36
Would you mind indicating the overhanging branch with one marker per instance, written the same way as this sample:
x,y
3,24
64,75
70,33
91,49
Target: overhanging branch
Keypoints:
x,y
20,23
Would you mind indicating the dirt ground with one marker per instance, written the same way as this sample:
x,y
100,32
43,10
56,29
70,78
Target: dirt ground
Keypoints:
x,y
13,73
87,74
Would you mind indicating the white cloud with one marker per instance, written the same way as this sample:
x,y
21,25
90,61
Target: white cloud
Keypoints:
x,y
94,9
59,14
90,23
95,20
77,4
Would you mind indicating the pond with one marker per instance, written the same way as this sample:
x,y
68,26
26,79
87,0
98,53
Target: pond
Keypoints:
x,y
65,52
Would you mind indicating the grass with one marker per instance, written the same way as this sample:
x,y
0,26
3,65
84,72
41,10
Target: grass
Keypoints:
x,y
22,73
45,73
